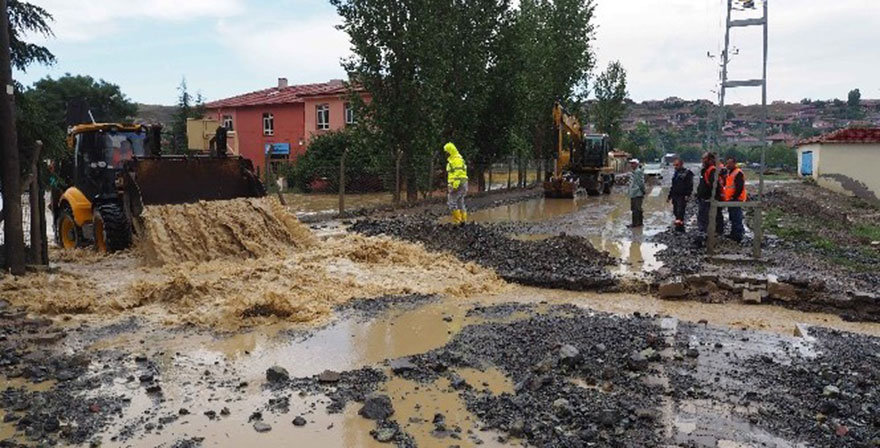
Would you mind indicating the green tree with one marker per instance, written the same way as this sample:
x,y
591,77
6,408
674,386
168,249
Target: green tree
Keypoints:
x,y
854,104
28,18
610,106
105,101
187,107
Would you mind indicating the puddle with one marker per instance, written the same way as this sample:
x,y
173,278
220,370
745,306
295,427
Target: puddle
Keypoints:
x,y
601,219
416,404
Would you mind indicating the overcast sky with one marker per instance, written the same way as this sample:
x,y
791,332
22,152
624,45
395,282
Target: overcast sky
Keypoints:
x,y
818,48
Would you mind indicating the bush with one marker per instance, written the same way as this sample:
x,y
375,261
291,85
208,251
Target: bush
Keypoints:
x,y
318,168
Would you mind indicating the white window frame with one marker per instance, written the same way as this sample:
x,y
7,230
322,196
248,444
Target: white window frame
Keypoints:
x,y
227,123
350,119
268,124
322,109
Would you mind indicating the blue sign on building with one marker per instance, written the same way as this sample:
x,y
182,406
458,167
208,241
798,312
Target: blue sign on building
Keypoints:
x,y
278,149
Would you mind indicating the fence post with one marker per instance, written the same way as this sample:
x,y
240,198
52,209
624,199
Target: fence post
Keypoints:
x,y
397,177
509,171
430,188
33,185
342,181
489,187
537,172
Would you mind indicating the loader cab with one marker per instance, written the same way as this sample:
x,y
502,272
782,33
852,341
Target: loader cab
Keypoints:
x,y
593,152
100,152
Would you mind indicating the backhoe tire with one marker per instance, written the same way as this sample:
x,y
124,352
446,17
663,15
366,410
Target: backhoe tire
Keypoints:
x,y
112,229
67,234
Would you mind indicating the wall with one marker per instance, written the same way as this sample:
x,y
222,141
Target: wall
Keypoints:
x,y
337,115
248,125
847,168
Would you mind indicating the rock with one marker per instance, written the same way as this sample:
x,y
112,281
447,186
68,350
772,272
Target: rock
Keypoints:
x,y
183,411
277,374
299,421
146,378
601,348
637,362
517,428
457,382
650,354
608,418
225,412
672,290
262,427
562,406
782,291
329,376
803,331
3,304
377,407
831,391
384,435
751,297
402,365
569,355
211,414
692,353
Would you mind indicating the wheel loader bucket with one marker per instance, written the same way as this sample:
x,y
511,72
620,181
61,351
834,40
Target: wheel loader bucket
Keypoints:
x,y
560,188
188,179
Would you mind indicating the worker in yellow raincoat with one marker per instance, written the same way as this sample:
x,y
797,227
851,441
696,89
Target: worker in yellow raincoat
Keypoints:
x,y
457,183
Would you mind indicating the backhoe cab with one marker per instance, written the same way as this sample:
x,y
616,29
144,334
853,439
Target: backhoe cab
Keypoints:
x,y
115,170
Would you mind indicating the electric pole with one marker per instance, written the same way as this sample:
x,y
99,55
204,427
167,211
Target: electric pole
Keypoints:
x,y
13,230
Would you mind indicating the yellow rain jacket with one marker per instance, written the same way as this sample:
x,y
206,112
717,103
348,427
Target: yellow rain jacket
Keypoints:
x,y
456,169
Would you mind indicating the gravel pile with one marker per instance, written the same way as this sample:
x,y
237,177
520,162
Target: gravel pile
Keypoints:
x,y
562,262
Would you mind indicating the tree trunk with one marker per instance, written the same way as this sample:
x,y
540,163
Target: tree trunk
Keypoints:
x,y
11,170
481,177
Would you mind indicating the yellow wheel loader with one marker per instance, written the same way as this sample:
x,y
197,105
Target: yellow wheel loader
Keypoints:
x,y
582,160
114,170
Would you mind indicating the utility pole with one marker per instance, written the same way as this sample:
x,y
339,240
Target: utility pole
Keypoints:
x,y
757,204
13,230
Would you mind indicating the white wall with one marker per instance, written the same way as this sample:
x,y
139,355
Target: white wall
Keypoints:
x,y
852,169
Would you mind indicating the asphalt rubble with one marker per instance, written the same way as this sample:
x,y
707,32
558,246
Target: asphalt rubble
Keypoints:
x,y
584,379
560,262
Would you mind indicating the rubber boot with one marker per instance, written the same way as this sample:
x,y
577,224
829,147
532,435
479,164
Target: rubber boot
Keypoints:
x,y
456,217
463,216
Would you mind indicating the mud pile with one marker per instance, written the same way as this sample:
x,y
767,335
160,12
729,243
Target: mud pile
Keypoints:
x,y
563,262
242,228
61,293
303,286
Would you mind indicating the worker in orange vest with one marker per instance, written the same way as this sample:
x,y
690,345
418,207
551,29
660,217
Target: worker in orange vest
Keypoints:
x,y
708,177
734,190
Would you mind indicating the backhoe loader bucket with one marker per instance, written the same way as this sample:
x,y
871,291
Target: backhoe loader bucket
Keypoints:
x,y
188,179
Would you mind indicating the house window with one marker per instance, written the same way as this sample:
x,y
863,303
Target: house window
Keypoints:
x,y
349,115
268,124
227,122
323,117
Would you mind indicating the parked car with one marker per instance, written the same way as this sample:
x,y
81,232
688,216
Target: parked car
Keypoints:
x,y
653,170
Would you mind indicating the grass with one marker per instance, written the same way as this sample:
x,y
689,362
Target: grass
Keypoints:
x,y
867,232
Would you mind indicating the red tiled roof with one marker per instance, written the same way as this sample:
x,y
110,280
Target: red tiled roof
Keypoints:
x,y
848,135
276,95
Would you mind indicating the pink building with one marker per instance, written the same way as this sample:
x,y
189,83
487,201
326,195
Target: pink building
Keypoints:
x,y
280,121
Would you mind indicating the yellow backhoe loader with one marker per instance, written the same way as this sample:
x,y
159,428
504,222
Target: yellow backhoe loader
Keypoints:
x,y
581,160
114,170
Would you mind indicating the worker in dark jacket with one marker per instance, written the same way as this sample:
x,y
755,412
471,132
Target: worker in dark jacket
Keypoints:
x,y
680,192
708,177
734,190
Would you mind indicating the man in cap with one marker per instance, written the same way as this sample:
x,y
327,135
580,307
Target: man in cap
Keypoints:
x,y
636,193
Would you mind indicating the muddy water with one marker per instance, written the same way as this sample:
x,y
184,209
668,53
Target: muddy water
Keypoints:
x,y
601,219
310,204
352,343
7,430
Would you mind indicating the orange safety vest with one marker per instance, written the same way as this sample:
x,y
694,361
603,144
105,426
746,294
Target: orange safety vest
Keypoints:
x,y
708,174
730,187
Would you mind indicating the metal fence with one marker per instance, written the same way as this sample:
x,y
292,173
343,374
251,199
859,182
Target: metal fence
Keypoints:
x,y
341,188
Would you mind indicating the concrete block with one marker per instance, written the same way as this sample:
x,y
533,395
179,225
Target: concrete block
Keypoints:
x,y
782,291
752,297
672,290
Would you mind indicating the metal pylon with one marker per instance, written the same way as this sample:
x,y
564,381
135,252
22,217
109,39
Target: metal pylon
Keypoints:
x,y
757,204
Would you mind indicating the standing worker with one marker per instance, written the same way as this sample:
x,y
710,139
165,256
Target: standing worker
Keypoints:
x,y
636,193
708,176
456,183
682,188
734,190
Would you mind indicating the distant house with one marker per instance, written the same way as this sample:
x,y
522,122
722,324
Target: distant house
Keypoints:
x,y
280,121
845,161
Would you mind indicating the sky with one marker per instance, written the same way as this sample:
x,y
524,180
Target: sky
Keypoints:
x,y
819,49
